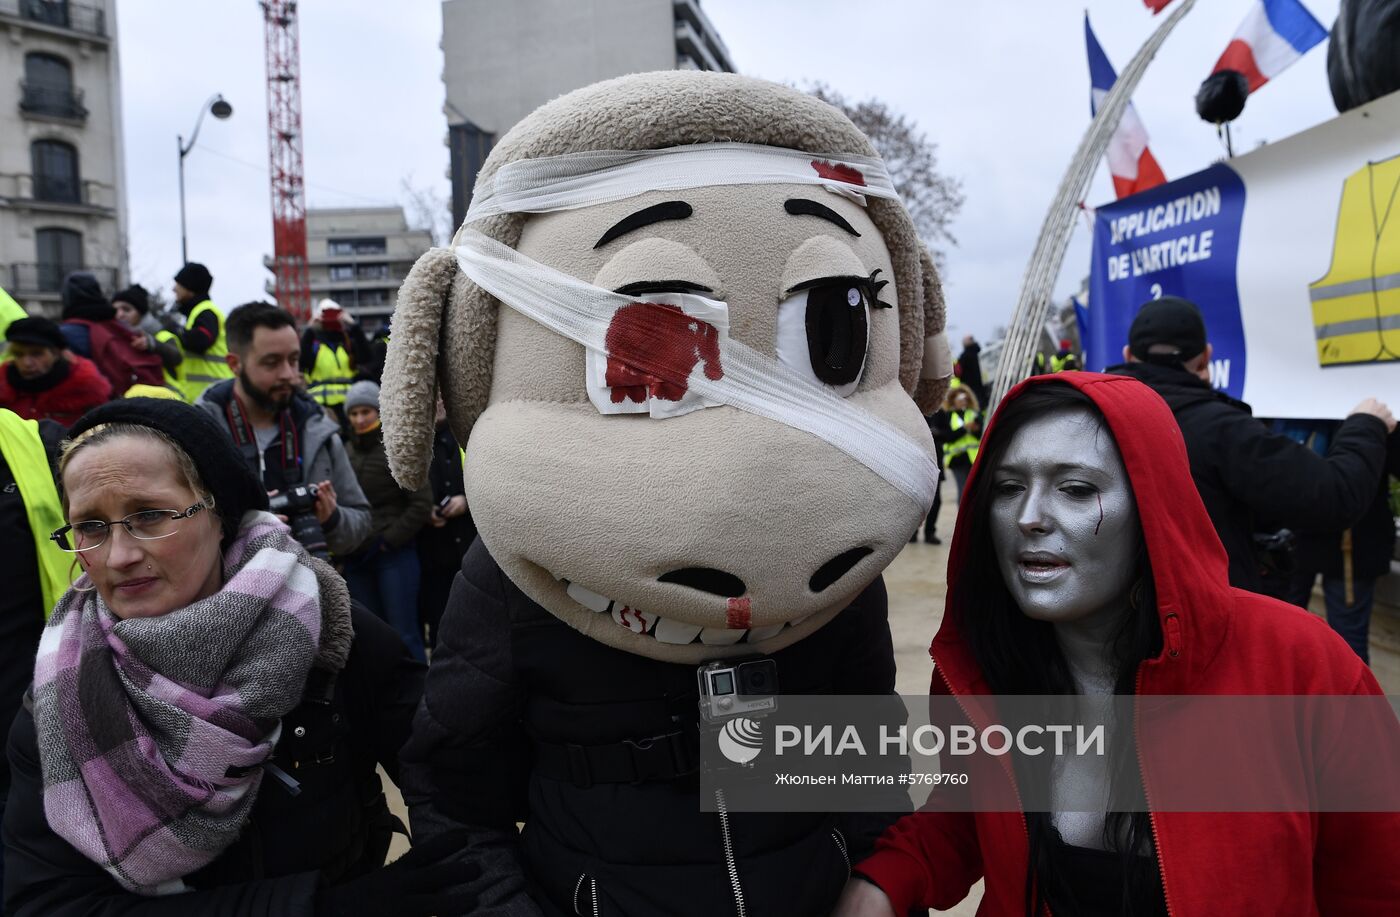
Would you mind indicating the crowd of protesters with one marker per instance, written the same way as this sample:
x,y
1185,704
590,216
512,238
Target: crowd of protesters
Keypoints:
x,y
236,421
219,413
280,393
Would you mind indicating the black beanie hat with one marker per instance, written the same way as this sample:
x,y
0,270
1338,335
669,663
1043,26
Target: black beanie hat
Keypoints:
x,y
83,298
36,330
137,296
220,466
196,278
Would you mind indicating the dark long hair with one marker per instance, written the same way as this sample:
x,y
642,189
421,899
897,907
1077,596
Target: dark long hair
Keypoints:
x,y
1020,655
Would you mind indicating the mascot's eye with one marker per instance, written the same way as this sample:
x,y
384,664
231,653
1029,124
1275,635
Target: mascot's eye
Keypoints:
x,y
824,329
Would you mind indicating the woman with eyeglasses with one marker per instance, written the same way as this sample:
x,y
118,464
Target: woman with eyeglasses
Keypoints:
x,y
208,708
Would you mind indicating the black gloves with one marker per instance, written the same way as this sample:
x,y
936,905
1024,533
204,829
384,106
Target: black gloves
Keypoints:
x,y
425,882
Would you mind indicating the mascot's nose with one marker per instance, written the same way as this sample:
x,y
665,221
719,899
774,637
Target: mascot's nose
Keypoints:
x,y
837,567
715,582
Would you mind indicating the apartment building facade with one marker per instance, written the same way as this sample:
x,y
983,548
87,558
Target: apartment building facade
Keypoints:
x,y
503,60
62,192
358,256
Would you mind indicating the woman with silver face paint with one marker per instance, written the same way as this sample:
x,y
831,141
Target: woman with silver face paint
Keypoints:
x,y
1084,564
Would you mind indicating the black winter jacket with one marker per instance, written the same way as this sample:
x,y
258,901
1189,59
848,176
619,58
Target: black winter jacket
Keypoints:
x,y
339,824
509,679
1372,537
1248,476
396,514
22,611
443,548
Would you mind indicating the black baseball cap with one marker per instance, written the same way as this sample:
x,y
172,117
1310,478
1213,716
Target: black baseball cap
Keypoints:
x,y
1170,320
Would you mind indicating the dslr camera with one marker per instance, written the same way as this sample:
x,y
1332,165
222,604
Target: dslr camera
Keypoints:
x,y
298,504
738,687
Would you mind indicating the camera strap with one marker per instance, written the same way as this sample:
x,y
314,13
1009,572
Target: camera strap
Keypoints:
x,y
247,441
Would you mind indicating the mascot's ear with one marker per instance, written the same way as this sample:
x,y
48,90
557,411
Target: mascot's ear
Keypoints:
x,y
444,336
937,367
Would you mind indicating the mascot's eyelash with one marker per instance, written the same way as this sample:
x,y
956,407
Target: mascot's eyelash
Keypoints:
x,y
870,286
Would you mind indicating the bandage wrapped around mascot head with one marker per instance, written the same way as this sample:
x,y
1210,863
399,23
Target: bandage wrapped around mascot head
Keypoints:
x,y
679,332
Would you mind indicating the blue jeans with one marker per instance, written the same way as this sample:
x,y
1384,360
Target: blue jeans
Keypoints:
x,y
387,584
1351,622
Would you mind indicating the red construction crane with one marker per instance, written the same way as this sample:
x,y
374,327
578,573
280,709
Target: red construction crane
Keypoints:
x,y
284,153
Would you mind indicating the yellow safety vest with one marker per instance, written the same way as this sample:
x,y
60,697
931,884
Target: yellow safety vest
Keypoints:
x,y
965,444
1356,305
9,311
330,375
201,370
174,380
1058,363
24,453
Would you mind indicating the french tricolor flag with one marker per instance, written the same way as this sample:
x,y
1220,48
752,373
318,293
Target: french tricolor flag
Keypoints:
x,y
1274,35
1130,162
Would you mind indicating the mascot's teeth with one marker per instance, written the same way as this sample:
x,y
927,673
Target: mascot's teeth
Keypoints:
x,y
588,598
668,631
763,633
638,622
721,636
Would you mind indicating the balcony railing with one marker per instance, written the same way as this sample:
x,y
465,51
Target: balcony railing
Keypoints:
x,y
47,277
75,17
25,190
59,190
54,101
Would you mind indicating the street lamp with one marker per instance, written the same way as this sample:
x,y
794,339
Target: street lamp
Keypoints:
x,y
221,110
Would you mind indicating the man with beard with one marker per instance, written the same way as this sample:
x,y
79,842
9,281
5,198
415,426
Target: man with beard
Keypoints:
x,y
286,437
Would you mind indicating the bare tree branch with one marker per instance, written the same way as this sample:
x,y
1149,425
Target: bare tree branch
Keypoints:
x,y
427,208
932,198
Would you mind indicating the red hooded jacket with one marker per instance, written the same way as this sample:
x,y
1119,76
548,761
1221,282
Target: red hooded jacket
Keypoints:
x,y
82,389
1217,640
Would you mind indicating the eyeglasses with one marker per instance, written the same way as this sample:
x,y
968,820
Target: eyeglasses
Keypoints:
x,y
147,525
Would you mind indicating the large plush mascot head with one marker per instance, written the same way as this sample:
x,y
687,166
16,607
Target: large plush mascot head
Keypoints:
x,y
735,454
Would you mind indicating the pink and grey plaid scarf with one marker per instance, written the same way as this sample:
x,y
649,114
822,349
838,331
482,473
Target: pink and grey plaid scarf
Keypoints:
x,y
153,731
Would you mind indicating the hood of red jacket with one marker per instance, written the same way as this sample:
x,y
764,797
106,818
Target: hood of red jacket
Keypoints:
x,y
1189,567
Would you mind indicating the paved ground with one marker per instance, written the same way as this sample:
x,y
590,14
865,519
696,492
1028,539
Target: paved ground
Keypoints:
x,y
917,583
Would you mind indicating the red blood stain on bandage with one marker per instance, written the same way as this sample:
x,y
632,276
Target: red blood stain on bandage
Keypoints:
x,y
839,171
652,350
736,615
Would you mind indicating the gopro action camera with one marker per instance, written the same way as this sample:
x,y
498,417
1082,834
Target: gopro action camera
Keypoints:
x,y
738,687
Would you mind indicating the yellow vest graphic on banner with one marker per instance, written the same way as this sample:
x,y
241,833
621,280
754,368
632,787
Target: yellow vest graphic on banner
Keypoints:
x,y
1356,306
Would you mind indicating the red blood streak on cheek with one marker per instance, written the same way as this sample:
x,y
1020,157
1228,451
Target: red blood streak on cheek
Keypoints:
x,y
839,172
652,350
737,614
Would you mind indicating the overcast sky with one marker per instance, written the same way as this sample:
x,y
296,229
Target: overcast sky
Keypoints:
x,y
1001,86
